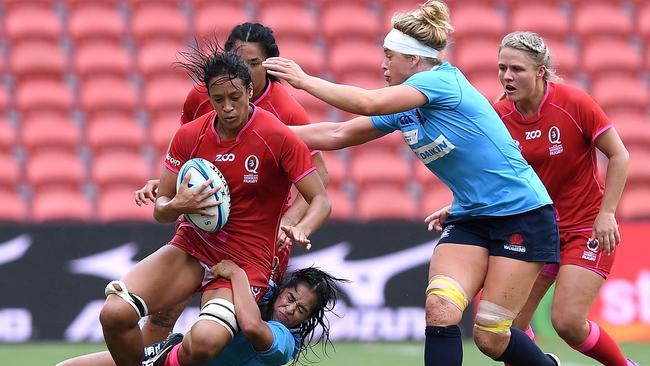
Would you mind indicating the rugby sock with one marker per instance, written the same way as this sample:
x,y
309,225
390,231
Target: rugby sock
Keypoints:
x,y
601,347
443,346
521,350
172,356
529,332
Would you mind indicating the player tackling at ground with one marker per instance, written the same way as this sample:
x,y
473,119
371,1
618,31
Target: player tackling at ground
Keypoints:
x,y
268,158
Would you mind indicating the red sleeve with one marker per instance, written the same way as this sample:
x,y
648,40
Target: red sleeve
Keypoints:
x,y
197,103
593,119
180,149
295,158
299,115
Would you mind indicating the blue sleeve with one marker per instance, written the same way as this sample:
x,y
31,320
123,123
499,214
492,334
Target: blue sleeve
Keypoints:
x,y
283,347
386,123
440,87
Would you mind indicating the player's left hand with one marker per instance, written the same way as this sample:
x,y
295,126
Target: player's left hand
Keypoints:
x,y
226,268
605,230
297,235
286,69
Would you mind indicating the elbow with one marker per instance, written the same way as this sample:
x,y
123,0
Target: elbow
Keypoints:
x,y
251,328
369,107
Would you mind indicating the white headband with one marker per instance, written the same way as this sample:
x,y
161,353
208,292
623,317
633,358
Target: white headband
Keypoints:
x,y
403,43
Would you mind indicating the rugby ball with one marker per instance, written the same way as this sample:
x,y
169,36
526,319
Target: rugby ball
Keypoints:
x,y
202,170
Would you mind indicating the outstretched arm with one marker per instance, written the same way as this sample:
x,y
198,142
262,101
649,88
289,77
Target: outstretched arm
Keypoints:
x,y
337,135
352,99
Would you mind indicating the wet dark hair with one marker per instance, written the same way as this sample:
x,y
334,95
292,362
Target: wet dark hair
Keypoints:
x,y
208,60
326,288
254,33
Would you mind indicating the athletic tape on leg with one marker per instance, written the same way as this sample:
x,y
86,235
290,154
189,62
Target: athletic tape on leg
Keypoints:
x,y
119,288
493,318
449,289
223,312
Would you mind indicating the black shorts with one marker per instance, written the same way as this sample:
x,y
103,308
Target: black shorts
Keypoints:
x,y
530,236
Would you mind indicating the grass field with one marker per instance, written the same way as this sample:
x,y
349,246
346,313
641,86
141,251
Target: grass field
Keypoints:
x,y
347,354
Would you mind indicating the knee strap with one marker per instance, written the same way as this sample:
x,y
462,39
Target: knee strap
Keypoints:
x,y
449,289
493,318
119,288
223,312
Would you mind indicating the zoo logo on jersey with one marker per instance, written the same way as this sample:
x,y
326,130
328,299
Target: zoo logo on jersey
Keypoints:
x,y
251,164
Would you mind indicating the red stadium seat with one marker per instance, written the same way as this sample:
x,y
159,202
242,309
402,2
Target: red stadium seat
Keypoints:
x,y
94,22
373,79
346,20
10,174
157,58
337,169
621,92
547,19
109,96
165,95
290,20
425,177
32,21
7,136
218,18
477,55
306,54
473,20
392,7
61,205
50,132
111,170
163,129
5,100
376,167
47,96
386,203
643,22
13,207
634,131
115,133
52,170
342,205
434,197
638,169
602,19
316,108
622,56
36,60
159,21
118,205
565,57
487,84
355,56
101,58
634,204
392,143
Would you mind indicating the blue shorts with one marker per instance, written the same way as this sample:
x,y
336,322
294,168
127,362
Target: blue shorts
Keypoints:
x,y
530,236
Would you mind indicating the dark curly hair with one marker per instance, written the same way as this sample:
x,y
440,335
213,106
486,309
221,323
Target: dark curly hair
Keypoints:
x,y
326,288
254,33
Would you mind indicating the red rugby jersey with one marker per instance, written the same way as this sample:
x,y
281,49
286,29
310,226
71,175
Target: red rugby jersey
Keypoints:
x,y
558,142
260,165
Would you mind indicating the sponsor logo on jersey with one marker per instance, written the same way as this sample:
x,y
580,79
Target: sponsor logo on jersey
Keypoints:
x,y
225,157
445,232
405,120
411,137
515,243
251,164
592,245
535,134
554,138
590,256
172,161
435,150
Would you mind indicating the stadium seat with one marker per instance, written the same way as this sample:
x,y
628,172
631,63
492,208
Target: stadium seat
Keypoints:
x,y
602,19
32,21
622,56
392,7
487,84
102,59
373,79
109,170
108,95
477,55
337,169
346,20
310,57
5,100
96,22
290,20
228,14
317,110
634,129
115,133
476,19
355,56
638,168
342,205
47,96
10,175
61,205
621,93
386,203
159,21
49,132
13,207
434,197
565,57
118,205
157,58
37,60
163,129
165,95
643,22
392,143
377,167
52,170
547,19
424,176
634,204
7,136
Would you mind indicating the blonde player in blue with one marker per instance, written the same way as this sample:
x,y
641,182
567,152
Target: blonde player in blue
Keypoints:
x,y
501,226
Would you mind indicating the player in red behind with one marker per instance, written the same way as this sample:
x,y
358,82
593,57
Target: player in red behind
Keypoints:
x,y
558,129
254,43
267,159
